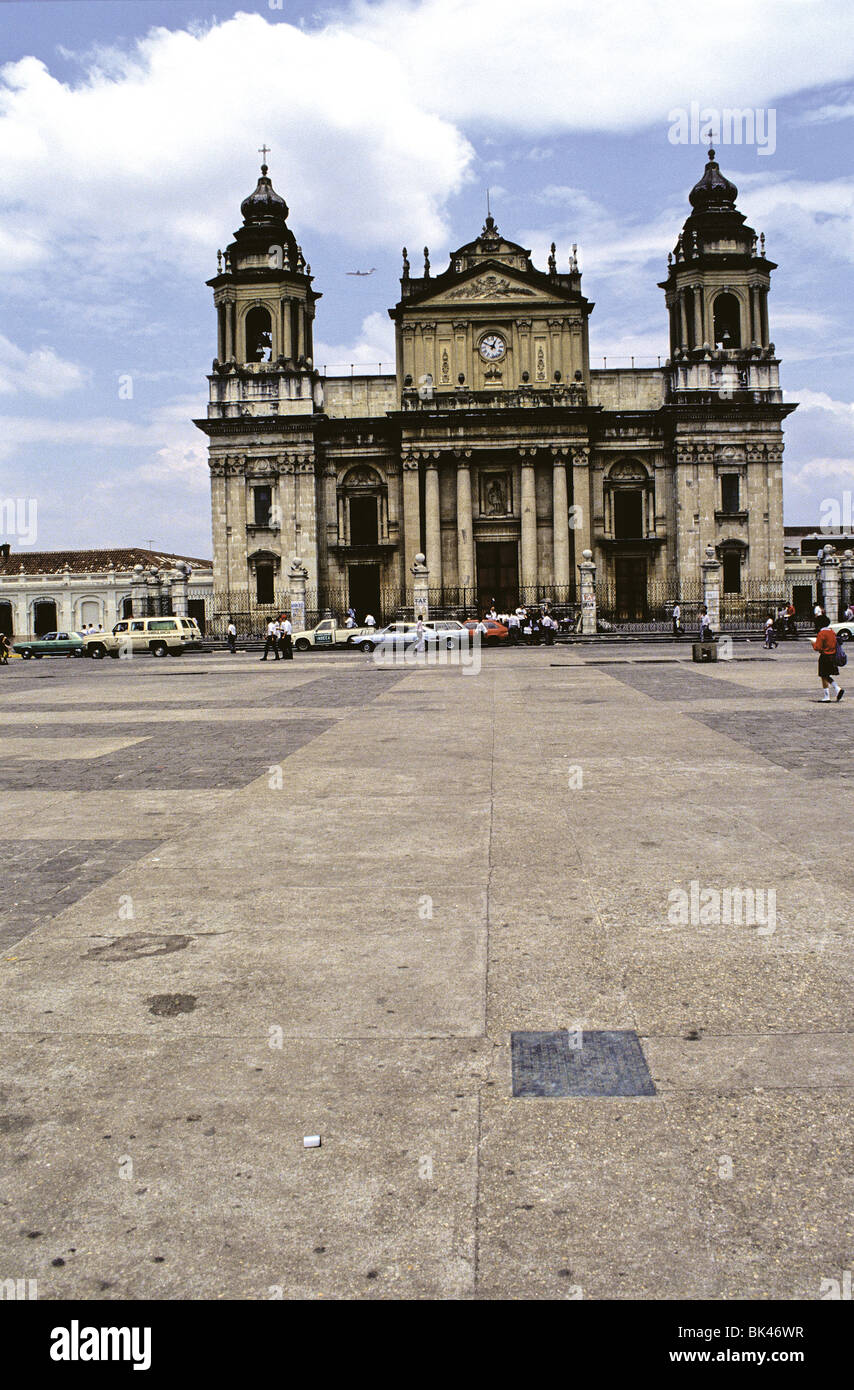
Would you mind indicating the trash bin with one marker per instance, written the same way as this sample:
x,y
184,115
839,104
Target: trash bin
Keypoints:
x,y
704,651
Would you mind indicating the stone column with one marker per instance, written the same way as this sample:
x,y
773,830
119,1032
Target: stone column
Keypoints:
x,y
297,582
560,521
698,318
683,320
711,568
529,524
581,499
588,594
433,522
465,536
420,588
411,507
138,590
830,582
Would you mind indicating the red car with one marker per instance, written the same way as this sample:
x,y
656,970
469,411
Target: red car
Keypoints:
x,y
495,632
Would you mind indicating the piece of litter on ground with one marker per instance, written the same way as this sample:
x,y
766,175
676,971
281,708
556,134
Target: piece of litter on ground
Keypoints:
x,y
311,1141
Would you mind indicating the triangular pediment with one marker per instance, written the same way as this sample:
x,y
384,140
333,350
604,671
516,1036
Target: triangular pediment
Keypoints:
x,y
491,282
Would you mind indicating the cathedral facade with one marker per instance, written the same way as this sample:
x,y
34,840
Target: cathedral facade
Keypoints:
x,y
495,450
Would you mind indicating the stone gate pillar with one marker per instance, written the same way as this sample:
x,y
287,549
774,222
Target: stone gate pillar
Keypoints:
x,y
297,581
831,574
180,581
421,587
712,587
588,594
138,591
847,567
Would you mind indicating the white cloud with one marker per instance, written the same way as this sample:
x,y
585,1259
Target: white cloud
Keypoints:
x,y
374,345
824,115
39,373
819,452
612,67
819,400
815,216
145,159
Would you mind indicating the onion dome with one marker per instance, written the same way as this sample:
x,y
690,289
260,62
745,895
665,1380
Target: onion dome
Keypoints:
x,y
713,193
265,204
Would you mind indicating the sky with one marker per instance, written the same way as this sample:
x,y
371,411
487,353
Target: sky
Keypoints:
x,y
129,134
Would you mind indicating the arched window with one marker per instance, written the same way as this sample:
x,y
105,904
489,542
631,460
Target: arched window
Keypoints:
x,y
264,581
727,315
264,564
259,335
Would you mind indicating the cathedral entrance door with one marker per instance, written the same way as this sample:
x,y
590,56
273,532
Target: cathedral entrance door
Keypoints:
x,y
630,577
497,575
364,591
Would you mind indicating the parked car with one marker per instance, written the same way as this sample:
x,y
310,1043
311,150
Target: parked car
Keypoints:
x,y
845,629
160,636
437,632
495,632
328,633
51,644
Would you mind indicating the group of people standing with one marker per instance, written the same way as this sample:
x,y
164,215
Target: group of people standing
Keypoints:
x,y
280,638
525,626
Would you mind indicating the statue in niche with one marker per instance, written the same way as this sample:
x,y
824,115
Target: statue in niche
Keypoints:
x,y
495,502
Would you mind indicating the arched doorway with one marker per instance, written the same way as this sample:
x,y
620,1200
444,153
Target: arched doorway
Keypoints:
x,y
44,616
6,618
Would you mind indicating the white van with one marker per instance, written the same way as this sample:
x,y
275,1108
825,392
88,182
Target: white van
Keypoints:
x,y
160,636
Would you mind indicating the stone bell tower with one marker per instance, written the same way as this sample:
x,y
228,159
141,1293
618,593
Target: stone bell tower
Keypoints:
x,y
264,395
724,402
265,309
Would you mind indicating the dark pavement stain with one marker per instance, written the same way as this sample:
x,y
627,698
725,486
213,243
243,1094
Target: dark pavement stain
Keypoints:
x,y
137,945
167,1005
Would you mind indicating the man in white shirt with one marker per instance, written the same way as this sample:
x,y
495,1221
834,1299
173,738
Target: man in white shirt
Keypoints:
x,y
370,620
273,630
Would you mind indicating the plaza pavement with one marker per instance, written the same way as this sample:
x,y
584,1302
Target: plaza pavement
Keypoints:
x,y
244,906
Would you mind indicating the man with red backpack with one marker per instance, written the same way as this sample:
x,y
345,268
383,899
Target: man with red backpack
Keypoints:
x,y
829,651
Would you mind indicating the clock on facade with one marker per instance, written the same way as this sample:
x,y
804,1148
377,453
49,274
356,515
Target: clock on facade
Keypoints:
x,y
492,347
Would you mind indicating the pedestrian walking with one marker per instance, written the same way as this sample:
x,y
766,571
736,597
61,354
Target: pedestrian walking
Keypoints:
x,y
706,634
819,618
513,629
825,644
548,626
4,649
370,620
231,636
286,645
677,620
770,633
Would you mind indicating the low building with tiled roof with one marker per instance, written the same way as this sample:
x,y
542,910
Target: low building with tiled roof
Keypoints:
x,y
90,561
48,590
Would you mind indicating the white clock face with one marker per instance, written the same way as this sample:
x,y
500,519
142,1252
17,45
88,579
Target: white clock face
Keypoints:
x,y
492,347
